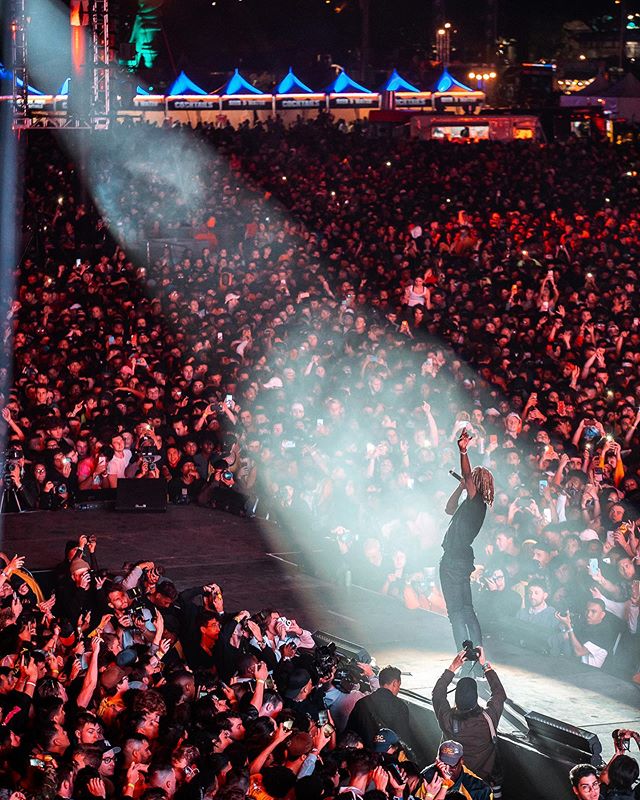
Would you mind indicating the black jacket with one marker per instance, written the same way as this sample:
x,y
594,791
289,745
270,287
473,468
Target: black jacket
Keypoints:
x,y
381,709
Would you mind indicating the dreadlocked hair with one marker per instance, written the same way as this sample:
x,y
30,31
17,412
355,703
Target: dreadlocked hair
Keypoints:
x,y
483,481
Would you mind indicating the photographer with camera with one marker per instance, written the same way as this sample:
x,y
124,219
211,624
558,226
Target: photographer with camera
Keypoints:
x,y
220,492
145,463
352,680
622,771
19,493
468,723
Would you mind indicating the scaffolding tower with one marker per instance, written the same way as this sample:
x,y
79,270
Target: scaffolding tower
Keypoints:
x,y
19,71
100,97
101,58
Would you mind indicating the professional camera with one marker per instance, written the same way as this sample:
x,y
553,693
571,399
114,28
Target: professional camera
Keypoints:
x,y
471,653
147,450
259,618
137,596
11,460
349,676
621,738
345,536
326,659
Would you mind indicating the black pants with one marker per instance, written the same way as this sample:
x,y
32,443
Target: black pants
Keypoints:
x,y
456,588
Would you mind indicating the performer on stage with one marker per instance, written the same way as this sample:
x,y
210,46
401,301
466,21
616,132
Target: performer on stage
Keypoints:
x,y
456,565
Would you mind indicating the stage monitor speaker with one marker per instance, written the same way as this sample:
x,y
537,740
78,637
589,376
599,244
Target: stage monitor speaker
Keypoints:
x,y
547,729
141,494
343,647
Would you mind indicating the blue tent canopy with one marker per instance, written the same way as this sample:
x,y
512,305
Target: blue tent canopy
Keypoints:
x,y
290,84
397,83
140,90
184,85
447,83
343,84
239,85
7,75
64,89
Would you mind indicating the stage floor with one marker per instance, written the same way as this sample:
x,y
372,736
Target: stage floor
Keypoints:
x,y
258,566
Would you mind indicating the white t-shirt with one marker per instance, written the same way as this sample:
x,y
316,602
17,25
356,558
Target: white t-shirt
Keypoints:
x,y
118,465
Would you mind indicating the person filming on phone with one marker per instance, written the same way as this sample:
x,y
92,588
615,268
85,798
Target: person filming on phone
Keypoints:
x,y
594,640
456,564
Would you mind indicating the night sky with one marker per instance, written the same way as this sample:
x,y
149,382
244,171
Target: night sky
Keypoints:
x,y
275,34
210,40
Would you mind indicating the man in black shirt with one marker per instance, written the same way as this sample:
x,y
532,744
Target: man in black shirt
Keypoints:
x,y
382,709
456,565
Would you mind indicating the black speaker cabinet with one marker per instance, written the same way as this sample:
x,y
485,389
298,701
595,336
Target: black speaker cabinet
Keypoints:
x,y
141,494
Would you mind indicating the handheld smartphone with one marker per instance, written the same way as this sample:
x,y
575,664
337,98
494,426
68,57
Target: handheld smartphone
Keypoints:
x,y
542,485
78,262
37,762
319,422
394,770
287,724
597,474
328,730
323,717
593,566
373,359
228,400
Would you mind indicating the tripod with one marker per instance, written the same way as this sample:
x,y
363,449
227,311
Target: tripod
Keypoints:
x,y
9,492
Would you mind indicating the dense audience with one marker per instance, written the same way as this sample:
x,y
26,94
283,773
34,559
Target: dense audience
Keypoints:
x,y
348,304
117,685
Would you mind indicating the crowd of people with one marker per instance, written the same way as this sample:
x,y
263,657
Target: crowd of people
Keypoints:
x,y
346,306
118,685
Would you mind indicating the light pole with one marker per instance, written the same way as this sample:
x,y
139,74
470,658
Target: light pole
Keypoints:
x,y
621,29
365,44
443,44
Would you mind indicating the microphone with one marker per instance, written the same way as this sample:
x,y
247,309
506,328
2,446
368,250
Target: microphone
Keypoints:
x,y
455,475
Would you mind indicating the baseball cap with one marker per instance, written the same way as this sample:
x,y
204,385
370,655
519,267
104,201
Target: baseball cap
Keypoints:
x,y
384,739
298,678
112,676
105,746
450,752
